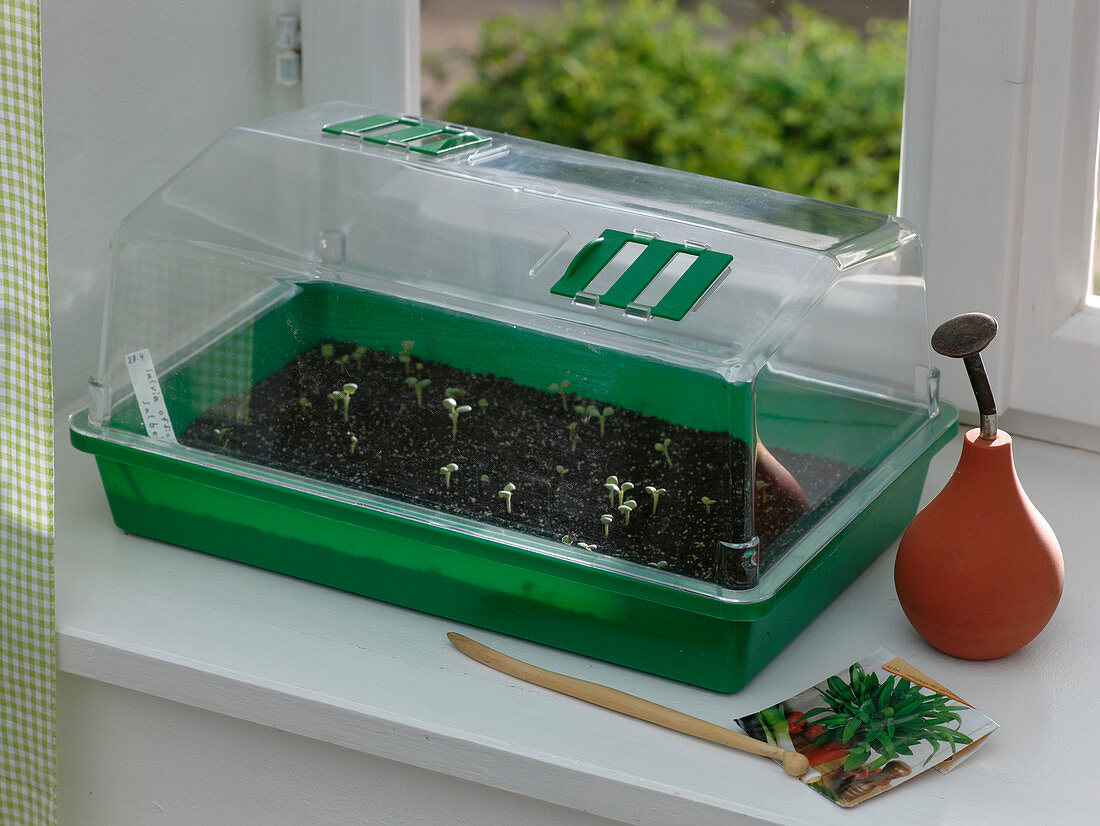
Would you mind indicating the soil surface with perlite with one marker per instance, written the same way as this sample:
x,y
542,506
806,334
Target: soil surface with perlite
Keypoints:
x,y
519,457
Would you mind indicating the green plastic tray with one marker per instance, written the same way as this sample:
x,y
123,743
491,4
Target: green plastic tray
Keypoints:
x,y
485,578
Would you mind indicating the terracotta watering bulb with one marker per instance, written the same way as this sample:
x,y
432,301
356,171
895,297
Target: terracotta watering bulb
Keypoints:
x,y
979,571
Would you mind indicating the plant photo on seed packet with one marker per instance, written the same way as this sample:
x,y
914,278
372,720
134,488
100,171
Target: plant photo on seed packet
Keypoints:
x,y
872,727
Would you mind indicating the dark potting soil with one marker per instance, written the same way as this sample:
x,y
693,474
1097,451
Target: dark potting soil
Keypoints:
x,y
395,444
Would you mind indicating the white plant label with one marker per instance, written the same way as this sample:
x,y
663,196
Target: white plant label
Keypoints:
x,y
150,398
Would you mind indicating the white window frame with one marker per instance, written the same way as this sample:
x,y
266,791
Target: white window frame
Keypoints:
x,y
362,51
999,157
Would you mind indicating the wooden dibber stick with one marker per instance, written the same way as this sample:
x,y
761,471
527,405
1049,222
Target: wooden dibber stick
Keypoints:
x,y
794,763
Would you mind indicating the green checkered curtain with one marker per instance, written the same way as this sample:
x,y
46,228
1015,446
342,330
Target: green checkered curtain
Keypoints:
x,y
27,758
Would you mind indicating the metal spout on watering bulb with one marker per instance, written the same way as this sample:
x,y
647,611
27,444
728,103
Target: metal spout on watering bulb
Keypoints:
x,y
979,572
965,336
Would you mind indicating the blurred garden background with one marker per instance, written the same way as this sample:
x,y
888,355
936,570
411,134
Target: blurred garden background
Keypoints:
x,y
799,97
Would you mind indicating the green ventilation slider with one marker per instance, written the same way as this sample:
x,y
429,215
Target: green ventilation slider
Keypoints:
x,y
408,133
688,289
358,126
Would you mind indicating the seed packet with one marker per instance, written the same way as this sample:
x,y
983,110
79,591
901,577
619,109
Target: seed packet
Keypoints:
x,y
870,728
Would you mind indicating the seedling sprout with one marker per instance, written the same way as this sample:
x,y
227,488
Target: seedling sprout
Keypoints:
x,y
453,410
418,385
485,478
346,392
586,545
559,388
304,402
606,520
327,351
656,493
405,356
662,448
344,395
446,471
574,439
600,415
454,392
625,488
506,495
612,485
707,502
627,508
482,404
354,443
762,489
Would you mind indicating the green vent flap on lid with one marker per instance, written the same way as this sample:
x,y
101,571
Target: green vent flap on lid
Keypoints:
x,y
409,133
684,294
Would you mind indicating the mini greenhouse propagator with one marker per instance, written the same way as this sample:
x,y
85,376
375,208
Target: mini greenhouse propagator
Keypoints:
x,y
631,412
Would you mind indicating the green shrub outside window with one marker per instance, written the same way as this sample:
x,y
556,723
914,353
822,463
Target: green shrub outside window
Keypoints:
x,y
807,105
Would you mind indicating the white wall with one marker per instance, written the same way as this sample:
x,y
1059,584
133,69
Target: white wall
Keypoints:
x,y
128,759
133,90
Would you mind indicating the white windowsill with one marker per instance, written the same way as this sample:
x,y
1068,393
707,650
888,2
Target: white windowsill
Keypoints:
x,y
382,680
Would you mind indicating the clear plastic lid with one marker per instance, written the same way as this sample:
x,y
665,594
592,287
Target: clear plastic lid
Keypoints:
x,y
776,343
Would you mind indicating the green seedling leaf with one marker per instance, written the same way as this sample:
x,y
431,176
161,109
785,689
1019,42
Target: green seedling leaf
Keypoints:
x,y
446,472
662,447
559,388
612,489
574,439
454,409
506,495
601,416
418,385
627,508
655,493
